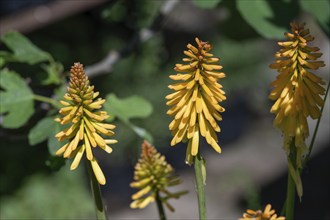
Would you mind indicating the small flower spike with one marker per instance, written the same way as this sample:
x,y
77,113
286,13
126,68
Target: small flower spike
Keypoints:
x,y
195,102
85,122
267,214
153,175
296,90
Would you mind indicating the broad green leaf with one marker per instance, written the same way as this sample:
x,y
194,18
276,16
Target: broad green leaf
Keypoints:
x,y
5,56
16,101
131,107
2,62
262,17
41,131
60,91
53,143
55,163
320,10
53,71
125,109
24,50
141,132
206,3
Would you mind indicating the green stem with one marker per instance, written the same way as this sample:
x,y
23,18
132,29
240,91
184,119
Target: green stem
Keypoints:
x,y
198,165
99,206
160,207
290,197
47,100
316,129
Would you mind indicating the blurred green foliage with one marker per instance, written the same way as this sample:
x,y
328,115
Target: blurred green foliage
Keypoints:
x,y
62,195
208,4
320,11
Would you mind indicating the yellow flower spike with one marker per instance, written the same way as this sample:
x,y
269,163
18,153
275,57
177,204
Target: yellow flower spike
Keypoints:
x,y
152,176
296,90
267,214
194,104
84,133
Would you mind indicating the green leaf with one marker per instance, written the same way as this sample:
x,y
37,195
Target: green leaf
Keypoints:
x,y
320,10
2,62
131,107
24,50
53,71
41,131
46,129
261,15
55,163
208,4
60,91
53,143
141,132
16,102
125,109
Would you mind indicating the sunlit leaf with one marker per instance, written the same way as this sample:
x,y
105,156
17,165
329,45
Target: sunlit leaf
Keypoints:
x,y
46,129
127,108
23,49
3,57
263,16
206,3
141,132
41,131
52,76
53,143
16,101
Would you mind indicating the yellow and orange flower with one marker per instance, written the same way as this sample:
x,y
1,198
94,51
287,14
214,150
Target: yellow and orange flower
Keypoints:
x,y
85,122
296,90
153,175
267,214
195,102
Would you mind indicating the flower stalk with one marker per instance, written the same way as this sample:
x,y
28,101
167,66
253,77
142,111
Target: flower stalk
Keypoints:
x,y
160,207
290,198
199,165
100,209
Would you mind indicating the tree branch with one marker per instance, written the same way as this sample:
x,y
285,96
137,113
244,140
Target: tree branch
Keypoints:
x,y
42,15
